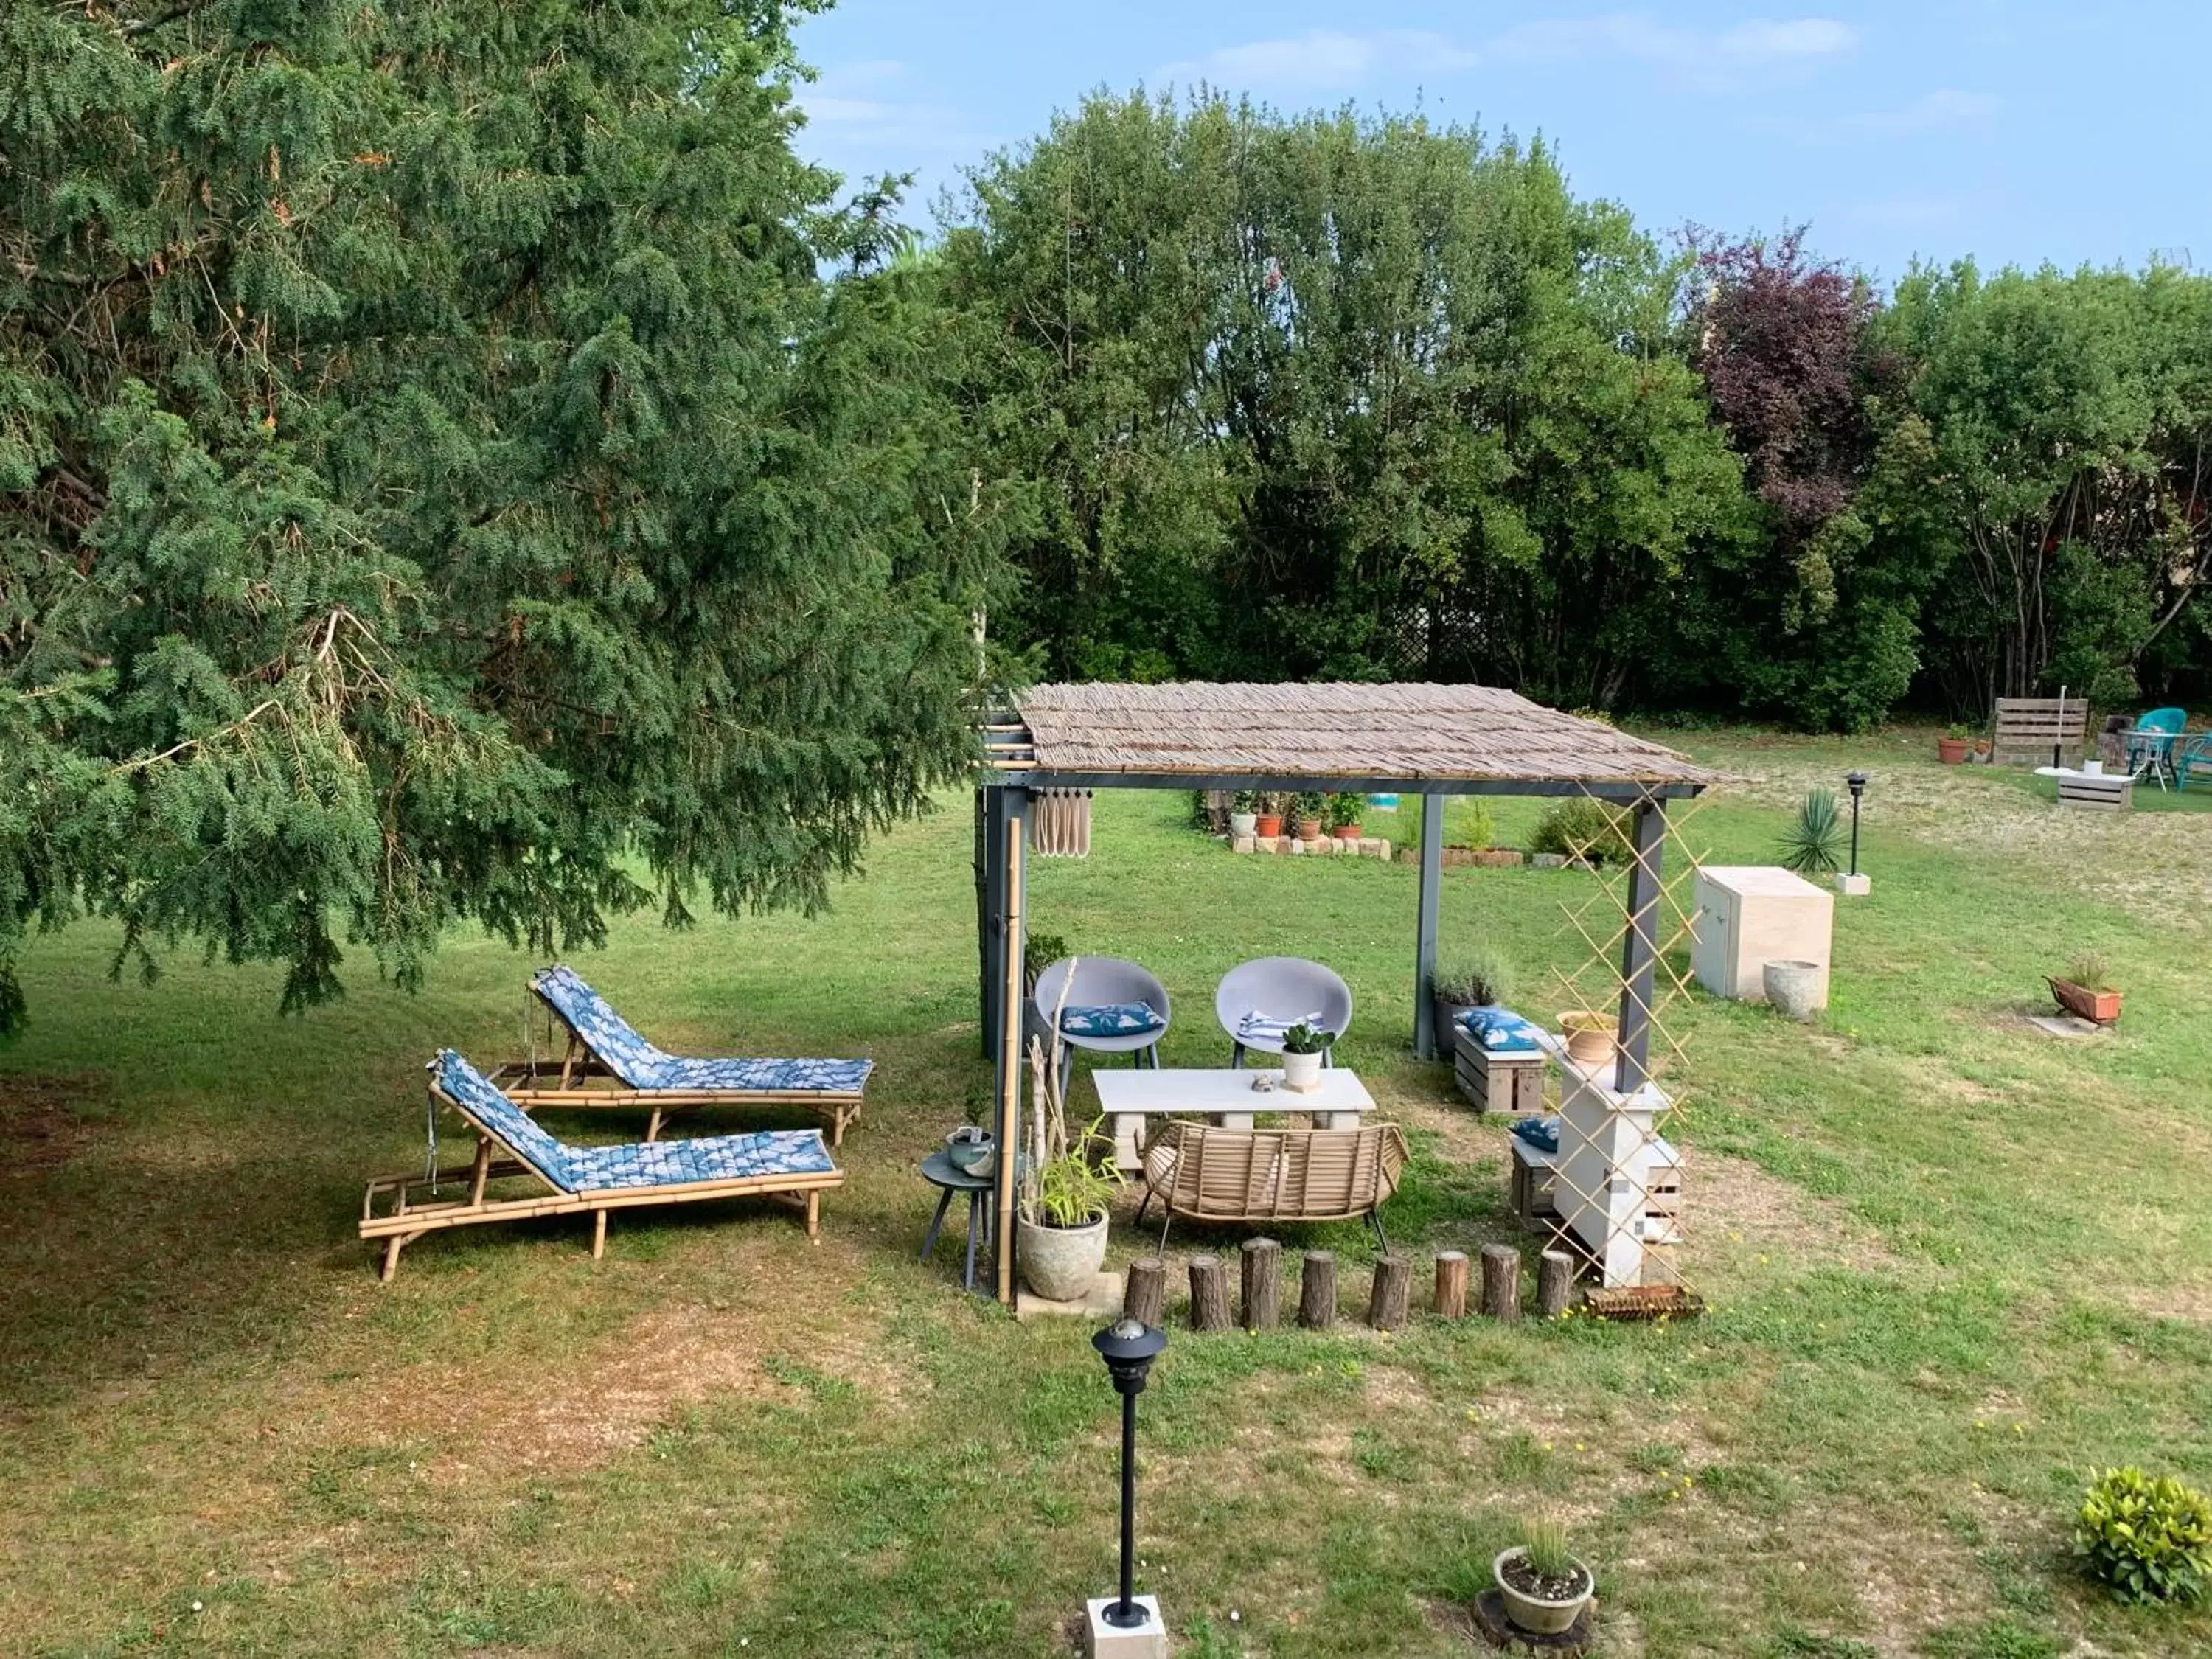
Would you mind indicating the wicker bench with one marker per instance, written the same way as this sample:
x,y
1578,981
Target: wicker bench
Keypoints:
x,y
1202,1172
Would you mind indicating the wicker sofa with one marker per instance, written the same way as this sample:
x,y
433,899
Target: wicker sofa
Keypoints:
x,y
1200,1172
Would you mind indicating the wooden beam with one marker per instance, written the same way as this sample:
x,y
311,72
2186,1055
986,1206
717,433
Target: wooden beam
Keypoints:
x,y
1425,927
1619,792
1639,949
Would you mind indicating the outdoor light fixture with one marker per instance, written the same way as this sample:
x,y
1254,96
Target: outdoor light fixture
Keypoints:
x,y
1127,1624
1851,884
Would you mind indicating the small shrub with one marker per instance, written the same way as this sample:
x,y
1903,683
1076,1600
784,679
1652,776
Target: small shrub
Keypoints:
x,y
1040,951
1813,845
2090,971
1306,806
2148,1540
1246,800
1475,979
1342,811
1304,1039
1581,827
1478,825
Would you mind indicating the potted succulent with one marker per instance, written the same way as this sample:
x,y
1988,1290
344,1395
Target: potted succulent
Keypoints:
x,y
1067,1188
1544,1586
1304,1045
1590,1035
1244,812
2087,990
1267,820
1306,810
1951,748
1475,981
1343,816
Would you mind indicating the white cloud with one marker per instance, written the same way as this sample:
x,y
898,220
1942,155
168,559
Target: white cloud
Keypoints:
x,y
1339,61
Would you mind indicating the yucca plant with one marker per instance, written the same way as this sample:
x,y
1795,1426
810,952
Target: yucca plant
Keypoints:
x,y
1812,845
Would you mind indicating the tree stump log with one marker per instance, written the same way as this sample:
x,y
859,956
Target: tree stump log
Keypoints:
x,y
1144,1299
1209,1293
1555,1283
1501,1282
1451,1283
1387,1304
1317,1291
1263,1287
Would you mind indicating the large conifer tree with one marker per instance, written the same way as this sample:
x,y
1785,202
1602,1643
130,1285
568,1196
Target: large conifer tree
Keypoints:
x,y
435,483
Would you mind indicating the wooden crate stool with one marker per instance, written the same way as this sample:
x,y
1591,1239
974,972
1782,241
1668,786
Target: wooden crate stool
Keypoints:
x,y
1535,1187
1498,1082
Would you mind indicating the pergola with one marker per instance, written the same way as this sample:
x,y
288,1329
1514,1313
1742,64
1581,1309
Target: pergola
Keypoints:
x,y
1427,741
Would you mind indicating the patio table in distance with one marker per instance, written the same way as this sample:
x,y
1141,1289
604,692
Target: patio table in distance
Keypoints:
x,y
1224,1096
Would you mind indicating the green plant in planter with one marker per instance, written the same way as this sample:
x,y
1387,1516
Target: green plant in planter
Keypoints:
x,y
1073,1190
1544,1542
1246,801
2148,1540
1307,806
1581,827
1040,951
1475,981
1813,844
1959,732
2091,971
1340,811
1304,1039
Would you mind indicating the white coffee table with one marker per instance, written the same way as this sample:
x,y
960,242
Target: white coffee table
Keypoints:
x,y
1226,1097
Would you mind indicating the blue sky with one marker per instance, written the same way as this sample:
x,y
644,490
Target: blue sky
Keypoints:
x,y
2015,132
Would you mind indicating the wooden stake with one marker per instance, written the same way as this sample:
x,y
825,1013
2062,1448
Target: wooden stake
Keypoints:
x,y
1394,1281
1555,1283
1262,1270
1209,1293
598,1234
1317,1291
1501,1282
1146,1297
1451,1283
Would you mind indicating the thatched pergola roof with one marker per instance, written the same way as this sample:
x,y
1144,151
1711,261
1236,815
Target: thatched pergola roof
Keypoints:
x,y
1441,738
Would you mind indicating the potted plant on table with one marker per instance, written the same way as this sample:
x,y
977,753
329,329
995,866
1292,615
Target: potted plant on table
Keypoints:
x,y
1244,812
1480,980
1306,811
1304,1045
1067,1188
1267,820
1951,748
1544,1586
2087,990
1590,1036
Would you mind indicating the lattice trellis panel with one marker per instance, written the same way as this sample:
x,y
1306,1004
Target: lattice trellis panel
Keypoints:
x,y
1620,1176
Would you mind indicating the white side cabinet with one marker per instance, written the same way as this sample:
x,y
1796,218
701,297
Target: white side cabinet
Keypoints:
x,y
1749,915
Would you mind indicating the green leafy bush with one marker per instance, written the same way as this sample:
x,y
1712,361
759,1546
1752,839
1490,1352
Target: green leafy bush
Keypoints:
x,y
1343,811
1477,979
1580,827
2149,1540
1813,844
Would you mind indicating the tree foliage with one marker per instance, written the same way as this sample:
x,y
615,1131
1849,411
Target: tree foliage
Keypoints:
x,y
435,482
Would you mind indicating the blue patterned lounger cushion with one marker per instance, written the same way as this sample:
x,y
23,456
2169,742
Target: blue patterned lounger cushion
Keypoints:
x,y
641,1065
1542,1133
1111,1020
644,1163
1500,1030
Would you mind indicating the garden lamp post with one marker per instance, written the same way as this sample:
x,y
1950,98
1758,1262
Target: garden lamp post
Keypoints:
x,y
1127,1624
1856,784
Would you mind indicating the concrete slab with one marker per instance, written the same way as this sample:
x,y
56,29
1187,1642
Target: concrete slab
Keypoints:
x,y
2072,1027
1103,1641
1101,1303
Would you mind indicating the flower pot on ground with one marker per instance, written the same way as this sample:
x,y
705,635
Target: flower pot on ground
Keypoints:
x,y
1590,1035
2086,991
1303,1048
1541,1605
1309,811
1243,824
1793,988
1268,825
1067,1188
1951,748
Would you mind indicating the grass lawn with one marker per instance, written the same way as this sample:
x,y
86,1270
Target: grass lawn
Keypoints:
x,y
1954,1265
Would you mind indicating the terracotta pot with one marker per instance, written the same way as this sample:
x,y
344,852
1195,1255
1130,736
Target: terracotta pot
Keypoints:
x,y
1268,825
1349,832
1309,828
1590,1035
1951,751
2102,1006
1537,1614
1060,1263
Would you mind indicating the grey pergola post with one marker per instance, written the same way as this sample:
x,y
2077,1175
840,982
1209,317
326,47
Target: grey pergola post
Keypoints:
x,y
1424,947
1005,814
1639,949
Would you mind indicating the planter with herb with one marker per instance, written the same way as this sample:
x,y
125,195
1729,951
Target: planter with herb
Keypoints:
x,y
1307,810
1267,821
1544,1586
1478,980
1951,748
2086,990
1244,812
1342,816
1067,1189
1304,1047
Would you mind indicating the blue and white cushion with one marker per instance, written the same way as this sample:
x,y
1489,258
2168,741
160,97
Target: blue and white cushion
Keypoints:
x,y
1268,1029
641,1065
1500,1030
1112,1019
642,1164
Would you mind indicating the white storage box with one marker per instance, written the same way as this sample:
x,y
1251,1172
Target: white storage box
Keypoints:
x,y
1749,915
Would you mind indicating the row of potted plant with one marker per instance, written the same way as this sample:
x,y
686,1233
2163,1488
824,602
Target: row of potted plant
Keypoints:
x,y
1312,814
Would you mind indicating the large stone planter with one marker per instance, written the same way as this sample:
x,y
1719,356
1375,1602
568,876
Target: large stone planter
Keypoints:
x,y
1797,989
1060,1263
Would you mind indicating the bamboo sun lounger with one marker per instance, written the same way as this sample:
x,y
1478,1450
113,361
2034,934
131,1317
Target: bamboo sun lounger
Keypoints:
x,y
607,1063
790,1165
